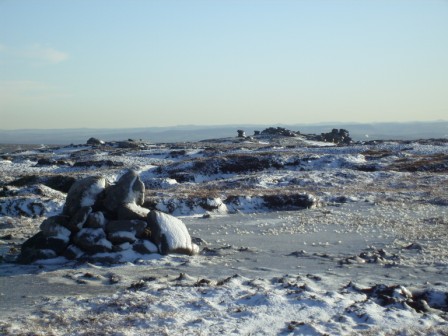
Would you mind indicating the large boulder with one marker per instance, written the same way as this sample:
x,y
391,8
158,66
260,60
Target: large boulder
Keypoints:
x,y
170,234
128,190
83,193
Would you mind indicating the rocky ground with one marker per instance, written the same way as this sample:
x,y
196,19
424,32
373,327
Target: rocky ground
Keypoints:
x,y
360,229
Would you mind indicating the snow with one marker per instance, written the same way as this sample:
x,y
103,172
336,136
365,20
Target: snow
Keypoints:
x,y
131,195
138,209
90,195
258,272
30,206
123,235
62,233
150,246
104,242
175,232
291,304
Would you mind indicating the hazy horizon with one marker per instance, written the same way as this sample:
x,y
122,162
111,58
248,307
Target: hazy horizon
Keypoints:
x,y
189,126
358,131
128,64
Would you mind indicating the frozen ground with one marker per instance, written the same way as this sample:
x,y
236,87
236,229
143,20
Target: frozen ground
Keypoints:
x,y
369,257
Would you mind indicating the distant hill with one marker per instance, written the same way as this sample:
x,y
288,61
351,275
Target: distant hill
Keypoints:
x,y
374,131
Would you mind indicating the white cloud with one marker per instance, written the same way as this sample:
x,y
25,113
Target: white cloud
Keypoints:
x,y
34,52
43,53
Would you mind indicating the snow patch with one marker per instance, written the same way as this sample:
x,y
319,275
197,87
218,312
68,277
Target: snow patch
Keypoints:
x,y
90,195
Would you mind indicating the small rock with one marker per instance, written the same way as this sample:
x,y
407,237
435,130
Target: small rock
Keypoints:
x,y
92,241
37,247
29,255
79,219
96,220
51,229
135,226
132,211
73,252
145,247
121,237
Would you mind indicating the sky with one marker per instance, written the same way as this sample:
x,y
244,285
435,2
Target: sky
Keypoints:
x,y
135,63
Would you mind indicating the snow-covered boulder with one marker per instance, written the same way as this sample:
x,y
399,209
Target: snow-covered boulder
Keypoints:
x,y
170,234
50,222
83,193
128,190
40,246
53,229
214,204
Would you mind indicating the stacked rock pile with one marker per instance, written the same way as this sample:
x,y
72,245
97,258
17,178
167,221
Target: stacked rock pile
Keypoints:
x,y
103,222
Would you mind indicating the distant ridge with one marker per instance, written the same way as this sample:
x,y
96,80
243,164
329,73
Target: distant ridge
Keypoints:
x,y
358,131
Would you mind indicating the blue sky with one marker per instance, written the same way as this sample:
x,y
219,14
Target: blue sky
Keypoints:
x,y
91,63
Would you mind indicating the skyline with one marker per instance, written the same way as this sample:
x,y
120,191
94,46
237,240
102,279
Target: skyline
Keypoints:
x,y
124,64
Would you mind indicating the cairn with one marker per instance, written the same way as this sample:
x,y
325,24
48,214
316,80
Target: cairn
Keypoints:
x,y
104,222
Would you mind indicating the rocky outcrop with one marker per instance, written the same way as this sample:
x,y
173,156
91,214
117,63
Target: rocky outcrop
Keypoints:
x,y
336,136
101,222
279,131
95,142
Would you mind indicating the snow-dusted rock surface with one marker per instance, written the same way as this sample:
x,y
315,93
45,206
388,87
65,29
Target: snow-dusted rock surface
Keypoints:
x,y
83,193
170,234
129,189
